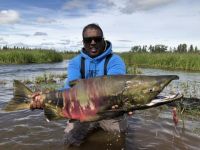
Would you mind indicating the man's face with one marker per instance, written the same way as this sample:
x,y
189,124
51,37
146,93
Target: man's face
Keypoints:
x,y
93,42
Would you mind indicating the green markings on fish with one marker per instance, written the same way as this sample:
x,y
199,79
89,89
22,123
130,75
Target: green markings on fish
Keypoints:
x,y
92,99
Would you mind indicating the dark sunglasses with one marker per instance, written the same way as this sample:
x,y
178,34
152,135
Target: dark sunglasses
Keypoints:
x,y
88,40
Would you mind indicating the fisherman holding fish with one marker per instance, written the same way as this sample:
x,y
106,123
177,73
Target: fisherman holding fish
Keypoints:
x,y
95,59
97,92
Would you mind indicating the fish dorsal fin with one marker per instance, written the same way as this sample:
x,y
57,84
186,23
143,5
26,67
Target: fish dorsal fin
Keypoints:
x,y
21,99
20,90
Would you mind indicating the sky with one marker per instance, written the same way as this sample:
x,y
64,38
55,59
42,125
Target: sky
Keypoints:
x,y
58,24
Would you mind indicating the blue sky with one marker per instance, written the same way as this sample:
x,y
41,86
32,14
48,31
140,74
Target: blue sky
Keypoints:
x,y
58,24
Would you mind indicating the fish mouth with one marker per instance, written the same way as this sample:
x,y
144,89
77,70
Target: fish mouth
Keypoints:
x,y
164,99
157,101
174,77
166,79
169,77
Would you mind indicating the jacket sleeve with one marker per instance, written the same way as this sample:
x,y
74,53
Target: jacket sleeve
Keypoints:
x,y
116,66
73,71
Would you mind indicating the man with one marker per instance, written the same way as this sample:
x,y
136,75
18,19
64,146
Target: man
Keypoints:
x,y
95,54
95,59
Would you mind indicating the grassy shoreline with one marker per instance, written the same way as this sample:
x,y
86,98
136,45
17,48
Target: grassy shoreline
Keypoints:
x,y
165,60
170,61
23,56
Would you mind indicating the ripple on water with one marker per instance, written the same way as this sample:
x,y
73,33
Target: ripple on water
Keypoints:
x,y
149,129
160,132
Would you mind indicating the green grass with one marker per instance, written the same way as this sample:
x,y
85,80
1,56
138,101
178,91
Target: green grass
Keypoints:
x,y
21,56
69,54
46,81
174,61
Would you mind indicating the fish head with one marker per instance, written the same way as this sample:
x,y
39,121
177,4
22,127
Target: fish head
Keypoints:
x,y
142,89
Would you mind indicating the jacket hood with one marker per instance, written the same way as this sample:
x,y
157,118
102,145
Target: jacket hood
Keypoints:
x,y
103,55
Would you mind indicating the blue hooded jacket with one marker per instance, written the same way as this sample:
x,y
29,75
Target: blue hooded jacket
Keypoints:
x,y
95,66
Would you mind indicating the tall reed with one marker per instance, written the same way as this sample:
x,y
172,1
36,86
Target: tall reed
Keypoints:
x,y
175,61
12,56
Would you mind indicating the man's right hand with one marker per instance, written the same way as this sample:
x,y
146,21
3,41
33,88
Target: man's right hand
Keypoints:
x,y
37,101
130,113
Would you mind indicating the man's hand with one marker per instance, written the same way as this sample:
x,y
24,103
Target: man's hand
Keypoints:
x,y
130,113
37,101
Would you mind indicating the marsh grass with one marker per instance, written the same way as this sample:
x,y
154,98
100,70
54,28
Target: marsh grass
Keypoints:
x,y
68,54
172,61
47,78
21,56
46,82
133,70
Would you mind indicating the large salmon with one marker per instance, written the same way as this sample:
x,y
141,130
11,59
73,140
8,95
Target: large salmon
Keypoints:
x,y
92,99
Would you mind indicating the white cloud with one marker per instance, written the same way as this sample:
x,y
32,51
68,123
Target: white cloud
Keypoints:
x,y
40,34
87,7
125,41
43,20
2,43
19,44
75,5
47,43
80,7
9,16
65,42
131,6
25,35
125,23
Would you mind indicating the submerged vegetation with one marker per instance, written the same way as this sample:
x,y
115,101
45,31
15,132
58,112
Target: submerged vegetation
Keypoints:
x,y
47,78
47,81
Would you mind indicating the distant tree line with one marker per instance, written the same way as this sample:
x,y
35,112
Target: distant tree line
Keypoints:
x,y
26,48
5,47
181,48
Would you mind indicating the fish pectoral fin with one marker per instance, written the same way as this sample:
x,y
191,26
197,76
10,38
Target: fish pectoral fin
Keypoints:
x,y
52,112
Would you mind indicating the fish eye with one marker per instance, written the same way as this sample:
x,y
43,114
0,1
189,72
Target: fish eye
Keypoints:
x,y
150,90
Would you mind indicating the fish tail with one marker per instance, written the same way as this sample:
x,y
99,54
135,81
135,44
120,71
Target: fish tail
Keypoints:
x,y
22,97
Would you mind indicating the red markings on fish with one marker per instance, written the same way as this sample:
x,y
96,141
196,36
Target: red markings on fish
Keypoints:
x,y
73,108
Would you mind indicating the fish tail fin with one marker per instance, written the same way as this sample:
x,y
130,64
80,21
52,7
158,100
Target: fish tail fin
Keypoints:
x,y
21,99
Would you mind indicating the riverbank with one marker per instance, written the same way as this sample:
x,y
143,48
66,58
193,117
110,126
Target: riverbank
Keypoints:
x,y
165,60
26,56
170,61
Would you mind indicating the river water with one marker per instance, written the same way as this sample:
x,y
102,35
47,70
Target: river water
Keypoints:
x,y
149,129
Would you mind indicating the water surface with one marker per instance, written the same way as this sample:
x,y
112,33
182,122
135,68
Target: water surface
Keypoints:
x,y
149,129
